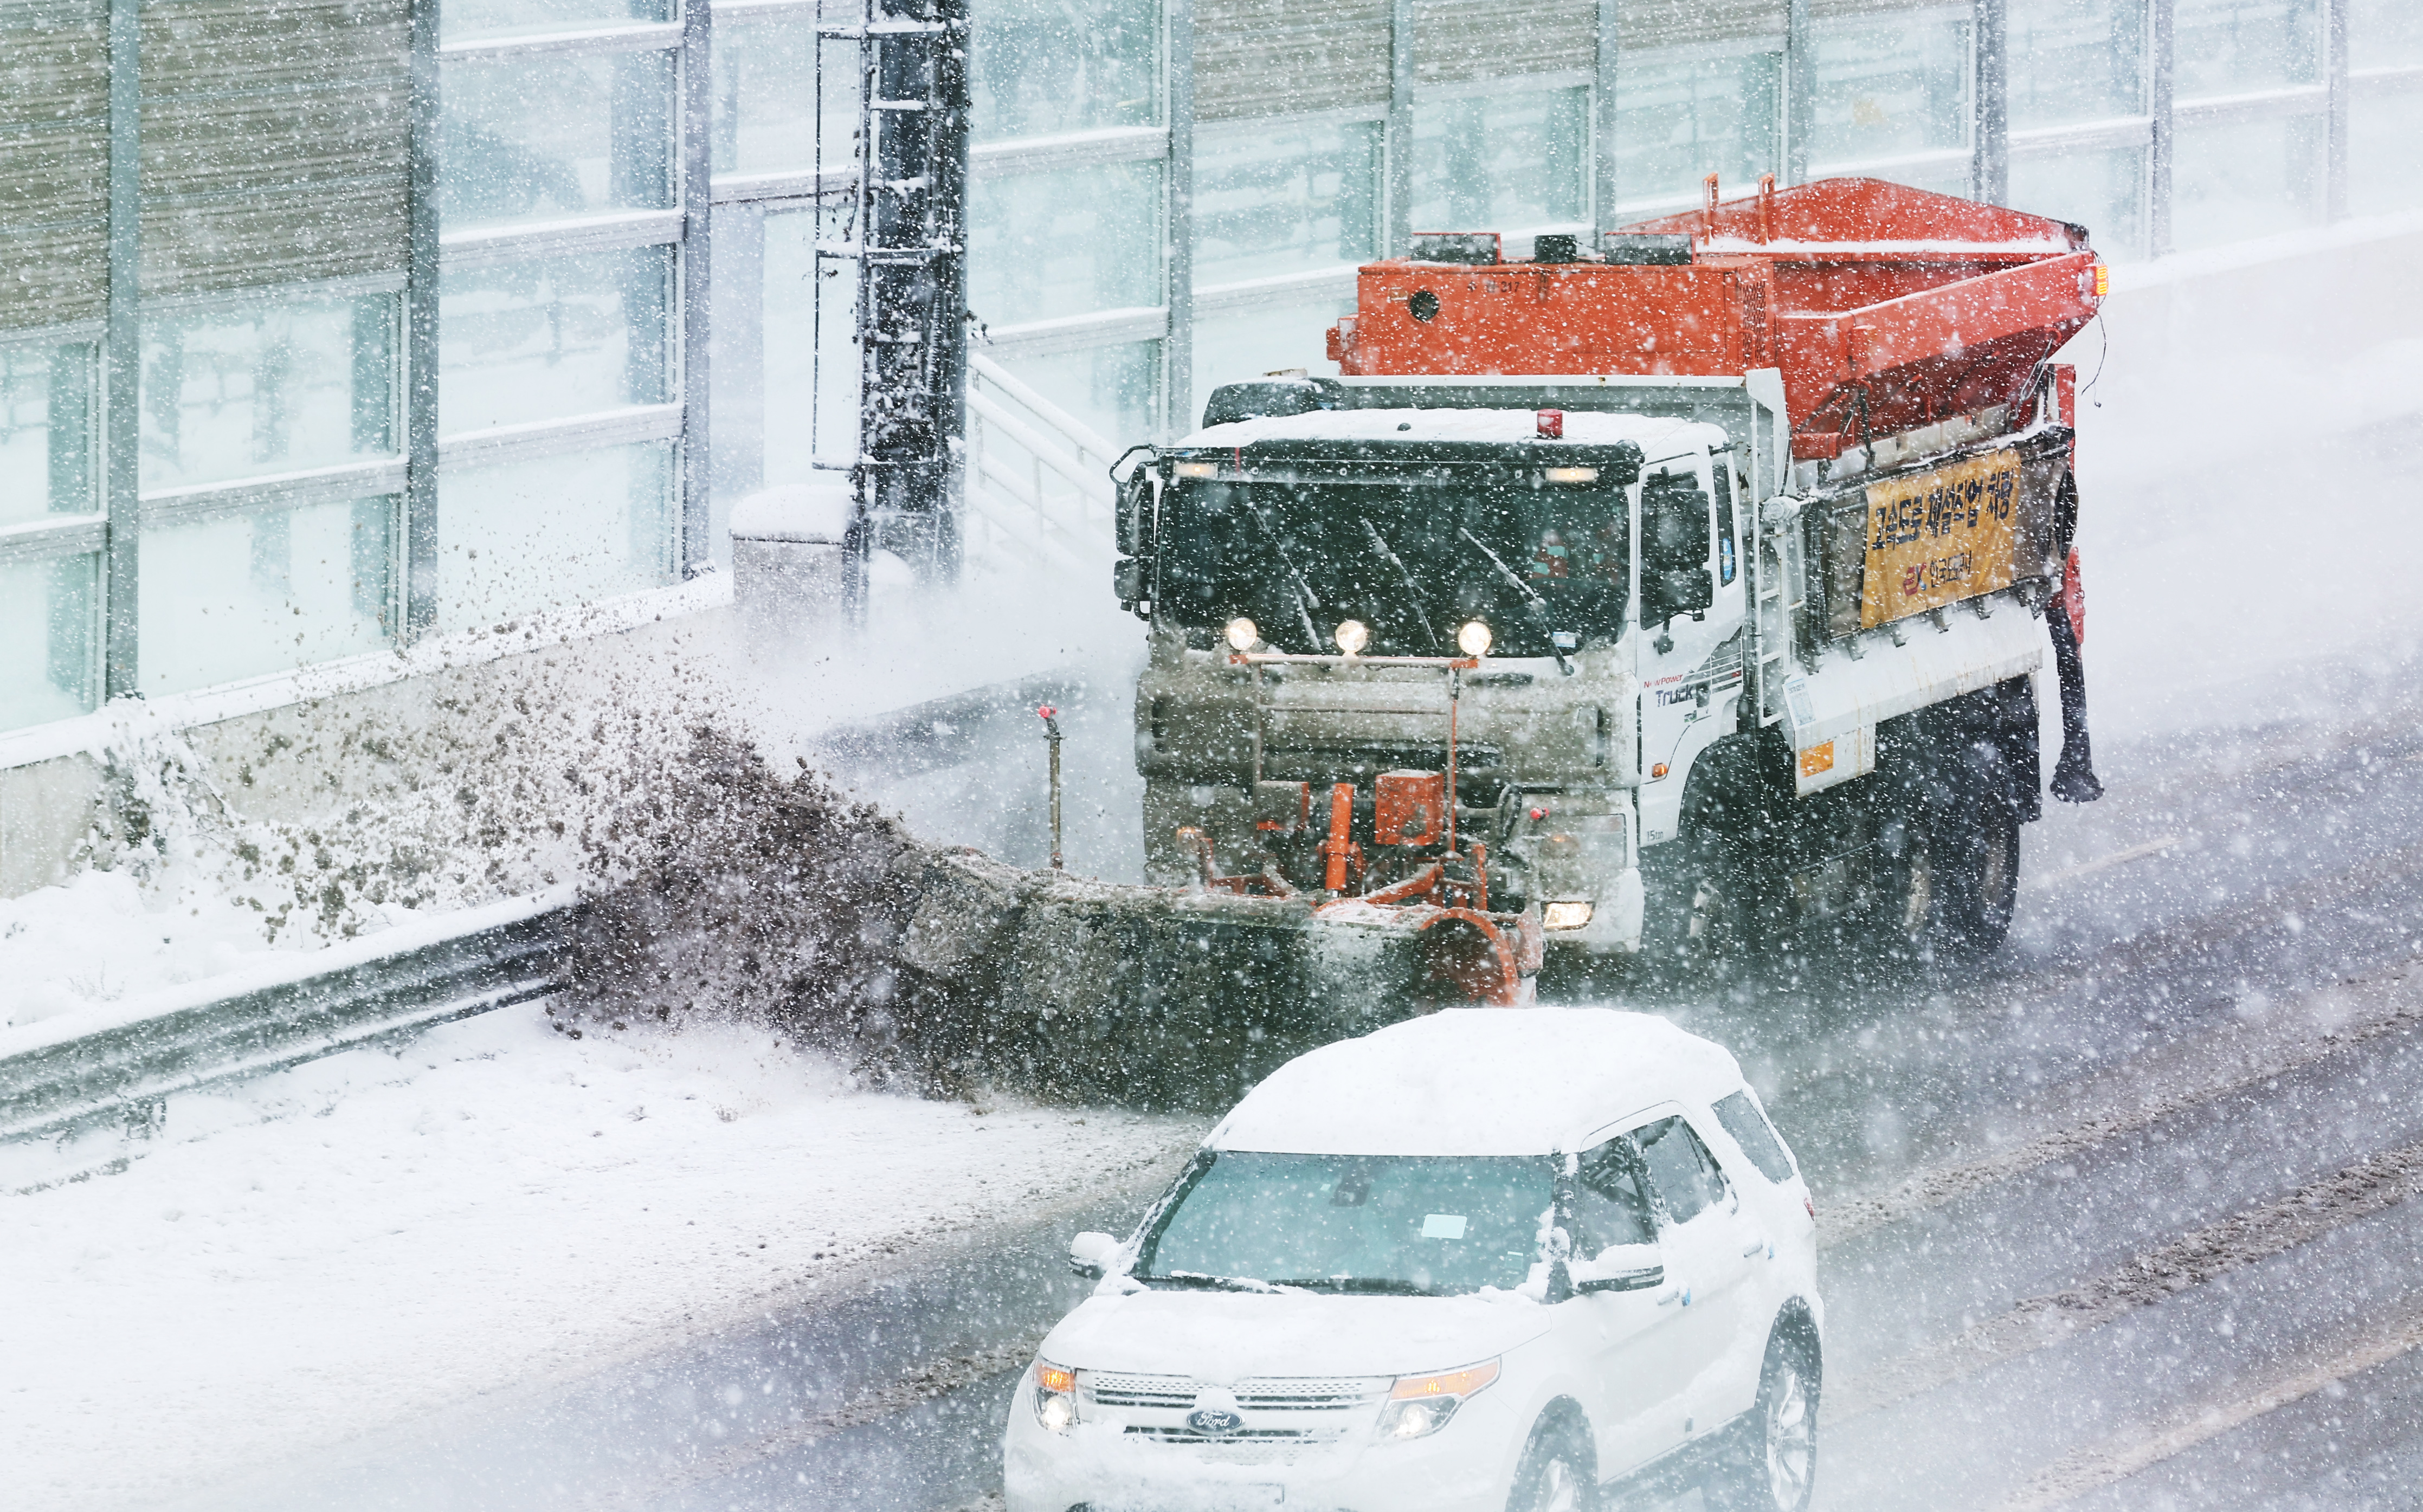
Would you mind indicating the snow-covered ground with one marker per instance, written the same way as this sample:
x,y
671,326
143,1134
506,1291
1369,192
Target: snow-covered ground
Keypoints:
x,y
375,1237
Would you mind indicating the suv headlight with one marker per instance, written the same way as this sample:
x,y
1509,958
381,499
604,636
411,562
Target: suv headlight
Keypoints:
x,y
1056,1396
1421,1405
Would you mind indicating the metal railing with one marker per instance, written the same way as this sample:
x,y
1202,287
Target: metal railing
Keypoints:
x,y
120,1077
1038,485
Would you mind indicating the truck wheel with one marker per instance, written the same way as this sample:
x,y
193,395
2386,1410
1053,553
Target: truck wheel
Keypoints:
x,y
1984,870
1908,913
1771,1464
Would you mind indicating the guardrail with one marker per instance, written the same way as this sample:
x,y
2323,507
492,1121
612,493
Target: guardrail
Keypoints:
x,y
120,1077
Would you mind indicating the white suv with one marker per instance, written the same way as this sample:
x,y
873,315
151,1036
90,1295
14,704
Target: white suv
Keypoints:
x,y
1491,1259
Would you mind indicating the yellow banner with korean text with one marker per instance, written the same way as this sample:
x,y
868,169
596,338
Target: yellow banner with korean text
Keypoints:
x,y
1939,537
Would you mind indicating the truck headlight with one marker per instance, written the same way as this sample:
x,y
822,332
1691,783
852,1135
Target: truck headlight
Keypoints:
x,y
1565,916
1421,1405
1056,1396
1243,633
1475,637
1352,635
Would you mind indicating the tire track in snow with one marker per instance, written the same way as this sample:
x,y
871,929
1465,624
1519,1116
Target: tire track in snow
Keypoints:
x,y
2086,1469
2199,1071
2377,1182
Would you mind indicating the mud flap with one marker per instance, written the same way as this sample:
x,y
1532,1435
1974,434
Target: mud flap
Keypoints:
x,y
2073,775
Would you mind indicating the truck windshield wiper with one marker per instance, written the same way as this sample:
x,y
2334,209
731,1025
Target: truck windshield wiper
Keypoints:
x,y
1367,1286
1306,599
1413,592
1538,605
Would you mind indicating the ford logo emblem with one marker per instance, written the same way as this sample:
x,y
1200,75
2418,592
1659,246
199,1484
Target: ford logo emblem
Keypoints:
x,y
1213,1422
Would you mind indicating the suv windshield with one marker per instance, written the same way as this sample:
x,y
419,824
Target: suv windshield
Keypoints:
x,y
1413,552
1415,1225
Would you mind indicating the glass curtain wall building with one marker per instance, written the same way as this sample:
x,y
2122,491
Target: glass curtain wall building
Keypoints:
x,y
338,323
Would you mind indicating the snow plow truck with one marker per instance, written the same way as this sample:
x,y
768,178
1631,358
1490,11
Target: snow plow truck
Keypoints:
x,y
1677,595
1723,548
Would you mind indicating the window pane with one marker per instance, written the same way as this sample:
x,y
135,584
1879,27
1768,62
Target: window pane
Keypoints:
x,y
2247,178
2074,60
1750,1130
1111,389
765,96
2232,46
543,139
544,340
507,18
242,594
46,432
1232,348
1278,199
288,384
769,424
2384,33
1681,116
553,532
2101,190
50,614
1042,66
793,370
1046,245
1890,87
1497,163
2385,152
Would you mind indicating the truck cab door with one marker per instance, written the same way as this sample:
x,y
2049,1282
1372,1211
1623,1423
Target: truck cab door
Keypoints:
x,y
1690,642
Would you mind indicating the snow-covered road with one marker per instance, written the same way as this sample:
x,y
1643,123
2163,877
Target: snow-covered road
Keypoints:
x,y
378,1239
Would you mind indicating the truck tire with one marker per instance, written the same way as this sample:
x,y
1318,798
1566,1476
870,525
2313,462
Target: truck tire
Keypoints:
x,y
1710,893
1907,920
1980,861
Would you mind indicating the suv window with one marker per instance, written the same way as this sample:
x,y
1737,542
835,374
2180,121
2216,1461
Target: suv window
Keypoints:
x,y
1681,1168
1610,1201
1755,1135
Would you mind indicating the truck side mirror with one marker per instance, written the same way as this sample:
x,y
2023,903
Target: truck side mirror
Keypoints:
x,y
1685,590
1132,514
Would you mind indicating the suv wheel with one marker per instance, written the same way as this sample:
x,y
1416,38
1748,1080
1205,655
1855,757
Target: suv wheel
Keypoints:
x,y
1558,1474
1772,1464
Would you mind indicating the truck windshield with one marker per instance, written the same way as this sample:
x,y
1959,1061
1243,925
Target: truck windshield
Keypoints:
x,y
1405,1225
1412,560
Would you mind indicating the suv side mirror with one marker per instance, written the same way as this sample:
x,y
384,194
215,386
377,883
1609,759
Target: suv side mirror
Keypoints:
x,y
1622,1269
1089,1254
1624,1280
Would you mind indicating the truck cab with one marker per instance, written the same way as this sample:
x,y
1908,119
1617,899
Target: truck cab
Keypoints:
x,y
1588,565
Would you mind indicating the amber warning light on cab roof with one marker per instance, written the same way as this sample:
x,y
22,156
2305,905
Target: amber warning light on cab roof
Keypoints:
x,y
1884,306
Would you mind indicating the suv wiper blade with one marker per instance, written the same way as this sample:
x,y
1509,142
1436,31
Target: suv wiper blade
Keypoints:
x,y
1199,1280
1368,1285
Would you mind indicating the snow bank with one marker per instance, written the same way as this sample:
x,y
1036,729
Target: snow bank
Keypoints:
x,y
373,1237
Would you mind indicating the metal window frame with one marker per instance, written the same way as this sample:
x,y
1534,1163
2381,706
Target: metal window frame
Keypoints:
x,y
693,305
121,361
54,536
1178,217
588,42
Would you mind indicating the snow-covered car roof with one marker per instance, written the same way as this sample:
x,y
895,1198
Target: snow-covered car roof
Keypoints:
x,y
1477,1081
1655,435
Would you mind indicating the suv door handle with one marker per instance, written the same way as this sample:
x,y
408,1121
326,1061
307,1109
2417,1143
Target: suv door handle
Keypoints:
x,y
1754,1248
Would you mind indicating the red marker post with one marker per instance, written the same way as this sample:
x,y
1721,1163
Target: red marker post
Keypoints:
x,y
1051,734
